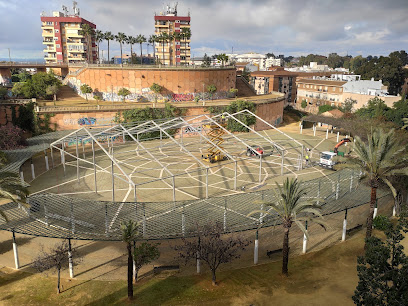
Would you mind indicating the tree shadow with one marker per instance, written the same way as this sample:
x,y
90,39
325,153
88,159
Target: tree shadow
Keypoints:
x,y
6,246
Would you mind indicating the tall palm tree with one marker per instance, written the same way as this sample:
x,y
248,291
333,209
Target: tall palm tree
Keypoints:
x,y
288,209
177,37
88,32
379,159
186,32
131,41
121,38
108,36
141,40
129,231
163,37
153,40
99,37
12,188
170,39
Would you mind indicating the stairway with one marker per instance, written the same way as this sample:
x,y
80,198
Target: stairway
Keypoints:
x,y
244,88
66,93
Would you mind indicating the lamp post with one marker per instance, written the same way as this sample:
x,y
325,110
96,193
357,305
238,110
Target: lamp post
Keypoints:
x,y
9,55
108,74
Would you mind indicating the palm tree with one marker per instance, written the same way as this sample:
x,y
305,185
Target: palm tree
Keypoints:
x,y
163,37
186,32
99,37
140,40
108,36
288,209
131,41
121,38
177,37
88,32
170,39
223,58
129,231
12,188
379,159
153,40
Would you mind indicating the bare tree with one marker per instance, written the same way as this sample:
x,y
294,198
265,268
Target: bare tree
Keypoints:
x,y
212,247
56,258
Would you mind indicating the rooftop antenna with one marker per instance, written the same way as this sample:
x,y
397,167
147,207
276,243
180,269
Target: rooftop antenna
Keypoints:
x,y
75,8
175,8
65,10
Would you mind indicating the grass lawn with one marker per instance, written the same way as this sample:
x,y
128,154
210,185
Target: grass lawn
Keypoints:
x,y
326,277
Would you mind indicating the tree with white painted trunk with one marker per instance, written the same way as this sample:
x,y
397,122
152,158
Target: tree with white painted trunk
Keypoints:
x,y
55,259
290,207
144,254
379,159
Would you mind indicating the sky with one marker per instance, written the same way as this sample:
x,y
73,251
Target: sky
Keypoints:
x,y
289,27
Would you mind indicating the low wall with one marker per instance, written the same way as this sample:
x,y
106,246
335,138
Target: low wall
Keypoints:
x,y
177,84
269,108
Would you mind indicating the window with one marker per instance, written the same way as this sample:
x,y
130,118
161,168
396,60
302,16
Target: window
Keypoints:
x,y
56,31
55,38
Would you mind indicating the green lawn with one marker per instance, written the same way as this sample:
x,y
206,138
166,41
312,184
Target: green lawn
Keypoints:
x,y
325,277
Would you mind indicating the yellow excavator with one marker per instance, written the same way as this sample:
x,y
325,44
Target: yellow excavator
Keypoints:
x,y
215,134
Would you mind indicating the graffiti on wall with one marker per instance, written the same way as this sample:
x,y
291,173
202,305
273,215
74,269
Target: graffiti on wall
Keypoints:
x,y
147,95
88,121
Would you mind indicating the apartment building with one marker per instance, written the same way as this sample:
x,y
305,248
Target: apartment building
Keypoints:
x,y
320,92
174,52
63,40
279,80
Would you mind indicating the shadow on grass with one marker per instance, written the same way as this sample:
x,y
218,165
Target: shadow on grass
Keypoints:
x,y
7,279
6,246
101,265
153,292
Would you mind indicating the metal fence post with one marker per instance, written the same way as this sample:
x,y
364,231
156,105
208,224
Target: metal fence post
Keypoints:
x,y
375,208
260,168
94,165
144,220
351,180
72,218
183,222
106,220
47,166
206,183
225,214
32,169
77,156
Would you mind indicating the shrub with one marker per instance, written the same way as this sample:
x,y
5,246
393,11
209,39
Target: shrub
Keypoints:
x,y
11,137
303,104
123,92
382,223
325,108
3,92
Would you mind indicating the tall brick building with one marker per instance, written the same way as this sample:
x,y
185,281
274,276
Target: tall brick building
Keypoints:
x,y
175,51
63,40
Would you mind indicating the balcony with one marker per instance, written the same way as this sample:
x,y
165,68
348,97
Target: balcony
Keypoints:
x,y
48,41
49,50
77,50
48,33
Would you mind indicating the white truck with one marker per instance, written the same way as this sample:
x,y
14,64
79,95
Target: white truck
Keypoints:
x,y
326,159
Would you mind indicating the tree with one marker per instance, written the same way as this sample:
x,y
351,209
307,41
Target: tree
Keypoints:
x,y
40,82
186,33
3,92
56,258
178,37
211,89
131,41
129,231
144,254
52,90
163,37
156,88
123,92
324,108
334,60
223,58
211,247
140,39
86,89
153,40
375,108
206,60
290,208
303,104
268,55
383,270
382,157
347,105
88,32
99,37
121,38
108,36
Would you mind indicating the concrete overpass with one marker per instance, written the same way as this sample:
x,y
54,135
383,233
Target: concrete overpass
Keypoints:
x,y
5,69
